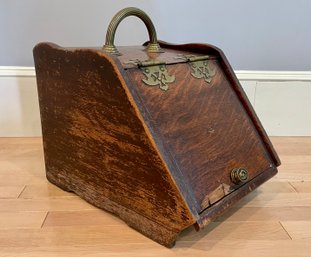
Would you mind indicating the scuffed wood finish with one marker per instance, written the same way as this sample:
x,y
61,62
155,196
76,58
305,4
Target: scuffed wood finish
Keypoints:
x,y
207,137
161,161
138,53
217,209
234,82
96,146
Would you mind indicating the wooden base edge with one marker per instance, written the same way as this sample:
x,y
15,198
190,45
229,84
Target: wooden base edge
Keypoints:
x,y
217,209
145,226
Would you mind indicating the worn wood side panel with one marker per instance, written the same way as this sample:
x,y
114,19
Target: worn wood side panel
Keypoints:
x,y
205,129
94,143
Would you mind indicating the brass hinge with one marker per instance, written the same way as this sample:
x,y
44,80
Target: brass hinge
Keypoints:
x,y
199,66
155,73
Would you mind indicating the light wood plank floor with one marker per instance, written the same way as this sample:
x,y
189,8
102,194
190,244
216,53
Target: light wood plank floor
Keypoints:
x,y
39,219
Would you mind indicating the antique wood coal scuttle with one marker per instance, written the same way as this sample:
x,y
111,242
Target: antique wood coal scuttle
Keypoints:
x,y
161,135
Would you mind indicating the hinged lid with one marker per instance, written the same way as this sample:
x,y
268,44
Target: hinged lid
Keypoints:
x,y
199,118
133,57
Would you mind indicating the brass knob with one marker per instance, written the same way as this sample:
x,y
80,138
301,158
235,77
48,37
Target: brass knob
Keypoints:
x,y
153,46
239,176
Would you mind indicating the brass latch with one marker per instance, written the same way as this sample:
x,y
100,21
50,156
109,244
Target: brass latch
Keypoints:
x,y
239,175
199,66
155,73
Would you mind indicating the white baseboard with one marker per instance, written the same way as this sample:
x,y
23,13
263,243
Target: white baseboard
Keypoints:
x,y
17,71
282,101
273,75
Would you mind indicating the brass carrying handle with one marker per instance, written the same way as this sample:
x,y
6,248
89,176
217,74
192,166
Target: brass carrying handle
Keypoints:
x,y
152,47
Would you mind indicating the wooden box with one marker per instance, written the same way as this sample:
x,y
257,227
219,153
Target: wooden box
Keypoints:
x,y
161,135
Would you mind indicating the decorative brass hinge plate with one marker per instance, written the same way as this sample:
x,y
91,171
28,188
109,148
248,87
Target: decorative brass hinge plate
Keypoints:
x,y
155,73
199,66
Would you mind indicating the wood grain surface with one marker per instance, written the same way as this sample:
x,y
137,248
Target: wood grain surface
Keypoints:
x,y
96,146
161,161
207,137
39,219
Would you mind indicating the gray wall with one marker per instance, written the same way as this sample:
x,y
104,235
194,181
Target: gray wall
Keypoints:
x,y
254,34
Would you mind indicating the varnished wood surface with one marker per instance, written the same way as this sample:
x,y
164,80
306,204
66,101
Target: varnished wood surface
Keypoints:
x,y
96,145
156,160
39,219
208,137
211,50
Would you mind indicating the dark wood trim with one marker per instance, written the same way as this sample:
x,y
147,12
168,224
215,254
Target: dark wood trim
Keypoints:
x,y
218,208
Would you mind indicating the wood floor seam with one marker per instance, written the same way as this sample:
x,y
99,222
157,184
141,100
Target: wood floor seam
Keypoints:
x,y
285,230
21,192
293,186
42,225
